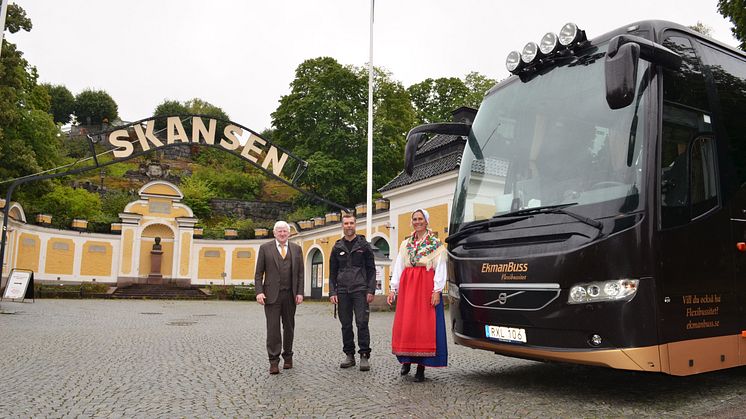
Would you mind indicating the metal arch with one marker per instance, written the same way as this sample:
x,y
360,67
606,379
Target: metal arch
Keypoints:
x,y
299,170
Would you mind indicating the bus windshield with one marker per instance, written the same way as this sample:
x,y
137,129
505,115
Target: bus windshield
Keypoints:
x,y
553,140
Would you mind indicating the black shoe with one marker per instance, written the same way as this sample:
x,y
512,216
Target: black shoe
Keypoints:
x,y
348,362
419,376
405,368
365,362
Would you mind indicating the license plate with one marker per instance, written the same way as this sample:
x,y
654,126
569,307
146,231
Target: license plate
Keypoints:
x,y
507,334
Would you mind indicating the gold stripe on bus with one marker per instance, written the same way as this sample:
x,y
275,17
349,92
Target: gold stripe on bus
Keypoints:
x,y
678,358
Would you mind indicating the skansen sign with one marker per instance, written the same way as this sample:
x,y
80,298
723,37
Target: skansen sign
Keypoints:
x,y
142,136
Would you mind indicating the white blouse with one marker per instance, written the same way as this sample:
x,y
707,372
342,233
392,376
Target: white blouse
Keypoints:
x,y
441,270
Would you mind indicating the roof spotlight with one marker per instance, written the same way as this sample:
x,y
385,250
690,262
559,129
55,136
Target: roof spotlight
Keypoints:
x,y
549,43
529,53
513,62
570,34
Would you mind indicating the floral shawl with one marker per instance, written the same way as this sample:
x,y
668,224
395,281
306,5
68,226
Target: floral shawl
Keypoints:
x,y
423,252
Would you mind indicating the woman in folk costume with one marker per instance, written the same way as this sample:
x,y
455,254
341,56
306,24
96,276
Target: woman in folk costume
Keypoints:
x,y
417,280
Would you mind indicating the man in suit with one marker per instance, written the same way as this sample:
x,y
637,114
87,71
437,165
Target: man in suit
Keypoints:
x,y
279,288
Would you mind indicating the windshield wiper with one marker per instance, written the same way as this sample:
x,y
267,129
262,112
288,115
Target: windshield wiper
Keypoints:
x,y
481,225
555,209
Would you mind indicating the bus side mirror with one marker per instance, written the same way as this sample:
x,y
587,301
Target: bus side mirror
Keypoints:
x,y
622,57
417,137
410,150
621,75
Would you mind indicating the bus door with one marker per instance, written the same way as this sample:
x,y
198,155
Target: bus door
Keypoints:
x,y
696,257
728,72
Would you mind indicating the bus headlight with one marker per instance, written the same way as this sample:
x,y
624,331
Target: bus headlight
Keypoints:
x,y
616,290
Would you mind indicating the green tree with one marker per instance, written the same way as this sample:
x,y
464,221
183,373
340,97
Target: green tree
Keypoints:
x,y
478,85
171,107
94,107
200,107
16,19
113,203
29,138
701,28
229,183
205,156
323,120
434,99
195,106
393,117
735,10
197,195
62,102
65,203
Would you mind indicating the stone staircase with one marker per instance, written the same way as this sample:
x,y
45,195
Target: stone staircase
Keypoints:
x,y
158,292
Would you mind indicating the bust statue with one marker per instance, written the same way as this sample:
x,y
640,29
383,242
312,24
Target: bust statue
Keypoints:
x,y
156,254
157,245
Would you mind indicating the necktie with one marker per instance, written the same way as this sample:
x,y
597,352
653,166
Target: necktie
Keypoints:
x,y
282,250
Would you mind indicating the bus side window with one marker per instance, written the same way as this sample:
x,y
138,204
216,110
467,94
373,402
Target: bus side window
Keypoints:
x,y
703,175
729,74
686,115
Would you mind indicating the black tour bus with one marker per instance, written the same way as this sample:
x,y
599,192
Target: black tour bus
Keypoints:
x,y
599,215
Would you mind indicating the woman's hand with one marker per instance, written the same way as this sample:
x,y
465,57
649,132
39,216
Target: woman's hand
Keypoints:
x,y
435,298
391,298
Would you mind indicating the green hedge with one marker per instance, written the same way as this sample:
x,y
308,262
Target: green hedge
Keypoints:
x,y
84,290
233,292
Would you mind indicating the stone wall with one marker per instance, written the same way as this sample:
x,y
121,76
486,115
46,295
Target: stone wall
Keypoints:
x,y
255,210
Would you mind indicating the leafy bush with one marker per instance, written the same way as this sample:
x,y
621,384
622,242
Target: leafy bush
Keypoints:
x,y
197,195
230,183
307,212
113,202
65,203
233,292
86,289
215,229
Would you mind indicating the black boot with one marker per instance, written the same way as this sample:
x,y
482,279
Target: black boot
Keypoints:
x,y
405,368
348,362
419,376
364,362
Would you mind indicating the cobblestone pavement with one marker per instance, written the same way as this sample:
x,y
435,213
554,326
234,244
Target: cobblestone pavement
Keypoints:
x,y
110,358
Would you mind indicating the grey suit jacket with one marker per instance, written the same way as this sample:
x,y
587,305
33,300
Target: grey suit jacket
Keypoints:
x,y
266,278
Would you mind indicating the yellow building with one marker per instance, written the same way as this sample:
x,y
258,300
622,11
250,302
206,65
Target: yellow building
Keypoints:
x,y
125,258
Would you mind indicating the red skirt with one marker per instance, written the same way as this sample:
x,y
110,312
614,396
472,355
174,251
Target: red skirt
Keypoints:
x,y
414,320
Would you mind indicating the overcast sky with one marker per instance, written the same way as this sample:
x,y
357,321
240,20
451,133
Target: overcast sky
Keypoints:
x,y
242,55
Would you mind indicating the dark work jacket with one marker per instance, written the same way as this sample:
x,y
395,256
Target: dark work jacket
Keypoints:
x,y
352,270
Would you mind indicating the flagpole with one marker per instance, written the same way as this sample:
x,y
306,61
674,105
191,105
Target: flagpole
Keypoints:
x,y
3,12
369,189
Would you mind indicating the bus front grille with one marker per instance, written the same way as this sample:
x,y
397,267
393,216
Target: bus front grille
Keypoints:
x,y
530,297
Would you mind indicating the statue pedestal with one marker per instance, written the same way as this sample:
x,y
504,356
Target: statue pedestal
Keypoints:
x,y
155,277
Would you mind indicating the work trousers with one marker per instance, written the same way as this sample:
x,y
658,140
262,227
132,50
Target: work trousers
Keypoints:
x,y
354,303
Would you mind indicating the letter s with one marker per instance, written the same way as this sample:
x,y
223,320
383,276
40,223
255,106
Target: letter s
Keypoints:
x,y
118,140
